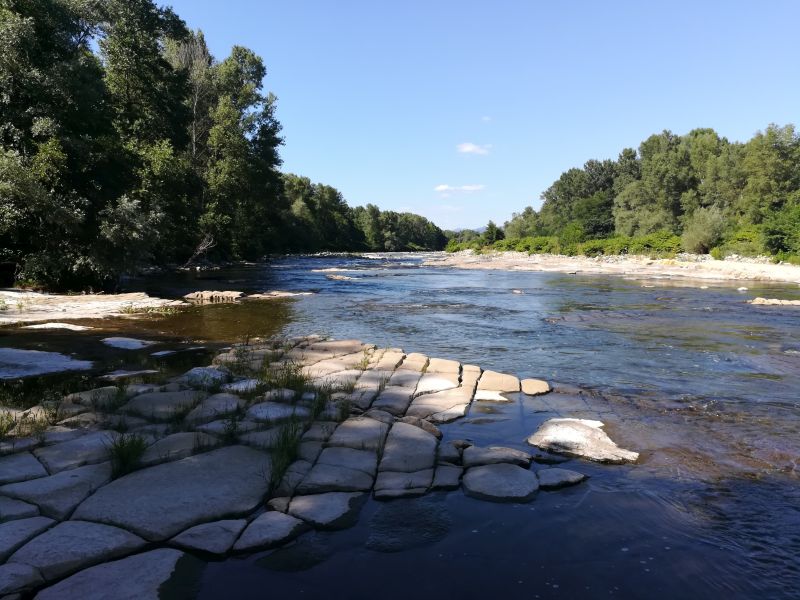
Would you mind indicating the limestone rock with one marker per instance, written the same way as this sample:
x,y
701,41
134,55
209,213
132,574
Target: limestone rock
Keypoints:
x,y
441,407
177,446
57,495
268,530
394,400
213,538
442,365
475,456
100,398
580,437
214,407
138,577
360,460
243,386
449,453
89,449
74,545
422,424
20,467
436,382
18,578
276,411
380,415
332,478
320,431
334,510
361,433
395,484
414,362
500,483
490,396
535,387
163,405
408,449
447,477
15,533
404,378
552,479
207,377
498,382
11,509
205,296
172,497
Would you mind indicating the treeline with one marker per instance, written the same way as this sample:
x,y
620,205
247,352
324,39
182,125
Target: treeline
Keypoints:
x,y
124,142
697,192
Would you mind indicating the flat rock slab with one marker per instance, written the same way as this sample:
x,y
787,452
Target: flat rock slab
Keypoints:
x,y
490,396
11,509
268,530
447,477
408,448
14,534
535,387
500,483
214,538
161,501
177,446
361,433
443,365
394,400
583,438
18,578
207,377
89,449
436,382
139,577
99,398
337,347
276,411
334,478
498,382
360,460
334,510
126,343
227,426
20,467
441,407
57,495
163,405
394,484
555,478
243,386
320,431
475,456
214,407
74,545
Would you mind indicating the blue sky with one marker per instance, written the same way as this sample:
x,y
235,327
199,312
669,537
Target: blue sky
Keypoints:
x,y
465,111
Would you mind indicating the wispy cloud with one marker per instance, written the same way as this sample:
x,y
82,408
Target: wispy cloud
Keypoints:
x,y
470,148
445,189
486,119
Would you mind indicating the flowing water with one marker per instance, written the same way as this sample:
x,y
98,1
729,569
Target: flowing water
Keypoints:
x,y
702,384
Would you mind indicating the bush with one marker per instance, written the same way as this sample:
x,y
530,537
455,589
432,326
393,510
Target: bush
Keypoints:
x,y
703,230
746,241
660,243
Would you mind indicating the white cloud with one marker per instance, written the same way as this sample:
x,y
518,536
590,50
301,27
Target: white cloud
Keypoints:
x,y
470,148
486,119
446,189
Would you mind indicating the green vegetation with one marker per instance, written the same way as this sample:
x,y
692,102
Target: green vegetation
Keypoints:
x,y
696,193
124,142
284,451
126,452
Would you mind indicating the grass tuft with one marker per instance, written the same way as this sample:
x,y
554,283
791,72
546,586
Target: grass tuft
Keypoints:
x,y
285,451
126,453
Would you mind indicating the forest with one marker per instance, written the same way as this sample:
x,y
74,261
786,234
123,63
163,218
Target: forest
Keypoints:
x,y
124,143
696,193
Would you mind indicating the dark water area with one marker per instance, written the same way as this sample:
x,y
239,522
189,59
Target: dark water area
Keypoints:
x,y
702,384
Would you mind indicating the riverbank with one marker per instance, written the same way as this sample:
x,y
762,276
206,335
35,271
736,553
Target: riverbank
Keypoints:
x,y
684,267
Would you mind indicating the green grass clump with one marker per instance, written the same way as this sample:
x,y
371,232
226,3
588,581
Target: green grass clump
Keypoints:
x,y
285,451
286,375
7,422
126,453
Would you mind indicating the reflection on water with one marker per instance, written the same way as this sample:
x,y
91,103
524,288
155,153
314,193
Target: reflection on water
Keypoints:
x,y
703,384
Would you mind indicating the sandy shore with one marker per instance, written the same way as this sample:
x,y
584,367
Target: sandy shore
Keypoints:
x,y
701,268
20,306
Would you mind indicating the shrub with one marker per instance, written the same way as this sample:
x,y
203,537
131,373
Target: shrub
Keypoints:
x,y
660,242
126,452
703,230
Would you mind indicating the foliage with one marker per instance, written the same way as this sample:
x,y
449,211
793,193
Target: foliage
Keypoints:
x,y
126,452
703,230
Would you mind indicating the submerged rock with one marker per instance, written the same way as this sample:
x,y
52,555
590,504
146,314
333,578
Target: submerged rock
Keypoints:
x,y
268,530
475,456
334,510
15,363
405,524
500,483
555,478
580,437
126,343
408,448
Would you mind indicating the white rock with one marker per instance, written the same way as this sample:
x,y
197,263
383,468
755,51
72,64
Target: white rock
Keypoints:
x,y
361,433
270,529
57,495
20,467
394,400
334,510
333,478
74,545
408,448
243,386
67,326
276,411
214,407
126,343
215,538
436,382
163,405
14,534
91,448
500,483
498,382
177,446
207,377
580,437
535,387
360,460
138,577
394,484
15,363
161,501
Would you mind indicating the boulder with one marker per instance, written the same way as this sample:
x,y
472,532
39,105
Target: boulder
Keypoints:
x,y
422,424
436,382
11,509
447,477
276,411
207,378
100,398
18,578
333,478
58,495
443,365
535,387
15,534
163,405
500,483
394,400
582,438
139,577
475,456
441,407
498,382
449,453
214,407
404,378
334,510
268,530
408,448
361,433
552,479
359,460
395,484
213,538
74,545
20,467
88,449
161,501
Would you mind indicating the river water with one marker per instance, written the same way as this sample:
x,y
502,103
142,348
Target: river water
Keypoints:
x,y
702,384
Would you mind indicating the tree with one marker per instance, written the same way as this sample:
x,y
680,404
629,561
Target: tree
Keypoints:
x,y
492,233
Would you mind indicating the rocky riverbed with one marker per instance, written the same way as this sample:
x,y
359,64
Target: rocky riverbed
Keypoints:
x,y
120,490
